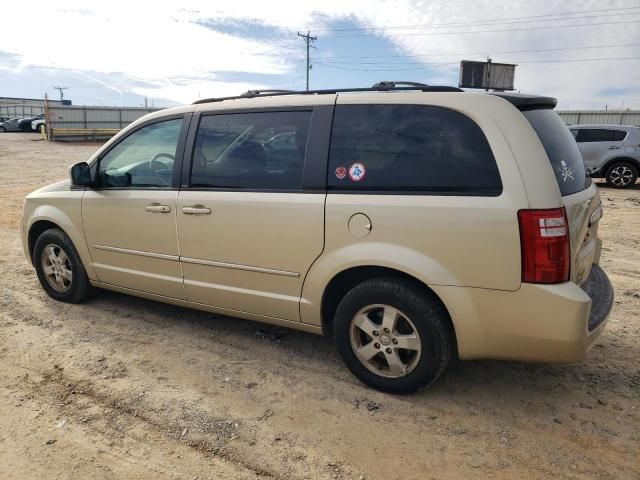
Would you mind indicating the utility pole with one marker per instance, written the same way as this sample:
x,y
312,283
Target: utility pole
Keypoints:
x,y
308,39
60,89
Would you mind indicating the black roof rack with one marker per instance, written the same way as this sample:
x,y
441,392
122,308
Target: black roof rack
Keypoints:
x,y
378,87
388,85
255,93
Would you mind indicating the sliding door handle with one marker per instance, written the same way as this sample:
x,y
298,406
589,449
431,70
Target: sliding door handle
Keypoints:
x,y
154,207
196,210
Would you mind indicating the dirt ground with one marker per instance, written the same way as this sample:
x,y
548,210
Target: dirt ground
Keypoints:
x,y
120,387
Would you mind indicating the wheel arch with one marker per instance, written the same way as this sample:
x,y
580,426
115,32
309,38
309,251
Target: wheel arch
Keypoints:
x,y
615,160
44,217
345,280
37,229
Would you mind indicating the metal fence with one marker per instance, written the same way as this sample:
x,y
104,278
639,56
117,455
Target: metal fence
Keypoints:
x,y
607,117
94,117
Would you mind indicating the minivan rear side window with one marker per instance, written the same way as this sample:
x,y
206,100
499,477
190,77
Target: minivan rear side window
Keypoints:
x,y
410,148
562,150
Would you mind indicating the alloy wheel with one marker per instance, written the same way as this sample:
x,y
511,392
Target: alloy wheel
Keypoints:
x,y
56,267
385,341
621,176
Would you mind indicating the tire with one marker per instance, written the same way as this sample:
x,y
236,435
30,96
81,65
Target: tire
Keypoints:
x,y
621,175
2,129
421,324
59,268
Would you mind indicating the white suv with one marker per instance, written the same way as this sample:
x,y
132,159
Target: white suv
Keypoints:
x,y
611,152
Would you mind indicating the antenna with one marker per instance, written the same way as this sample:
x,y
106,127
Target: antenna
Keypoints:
x,y
61,90
308,39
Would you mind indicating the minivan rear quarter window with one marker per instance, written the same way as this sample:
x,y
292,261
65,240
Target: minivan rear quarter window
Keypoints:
x,y
410,148
562,150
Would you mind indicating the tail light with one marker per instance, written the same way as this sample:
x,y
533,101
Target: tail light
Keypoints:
x,y
544,239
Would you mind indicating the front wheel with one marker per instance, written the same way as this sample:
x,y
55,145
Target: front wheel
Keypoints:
x,y
622,175
59,267
392,335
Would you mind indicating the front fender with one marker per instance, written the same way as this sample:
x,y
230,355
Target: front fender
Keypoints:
x,y
378,254
67,215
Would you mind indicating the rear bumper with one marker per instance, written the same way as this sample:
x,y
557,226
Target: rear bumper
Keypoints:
x,y
538,323
600,291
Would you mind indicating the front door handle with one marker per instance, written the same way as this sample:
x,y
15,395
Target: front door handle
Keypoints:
x,y
157,208
614,148
196,210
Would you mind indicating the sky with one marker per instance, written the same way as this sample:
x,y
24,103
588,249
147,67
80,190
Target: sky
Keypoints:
x,y
585,53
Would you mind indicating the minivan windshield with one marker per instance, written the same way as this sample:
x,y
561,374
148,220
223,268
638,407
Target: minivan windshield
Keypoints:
x,y
562,150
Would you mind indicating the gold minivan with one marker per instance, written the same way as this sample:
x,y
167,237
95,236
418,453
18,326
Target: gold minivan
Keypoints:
x,y
413,223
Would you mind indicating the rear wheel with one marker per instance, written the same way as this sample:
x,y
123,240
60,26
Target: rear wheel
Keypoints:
x,y
59,267
622,175
392,335
2,129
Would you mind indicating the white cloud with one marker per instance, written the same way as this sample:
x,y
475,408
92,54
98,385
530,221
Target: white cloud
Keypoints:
x,y
161,44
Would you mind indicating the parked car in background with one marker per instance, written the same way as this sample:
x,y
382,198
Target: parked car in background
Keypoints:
x,y
11,125
611,152
25,124
414,224
38,122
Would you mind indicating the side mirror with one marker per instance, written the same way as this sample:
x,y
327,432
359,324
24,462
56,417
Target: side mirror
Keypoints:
x,y
80,174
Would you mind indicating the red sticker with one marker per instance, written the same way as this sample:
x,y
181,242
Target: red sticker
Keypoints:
x,y
357,171
341,172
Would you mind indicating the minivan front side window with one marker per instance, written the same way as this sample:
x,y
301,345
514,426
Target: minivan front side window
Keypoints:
x,y
143,159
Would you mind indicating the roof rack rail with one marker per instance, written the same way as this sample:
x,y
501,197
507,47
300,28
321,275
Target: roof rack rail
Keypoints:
x,y
390,84
378,87
255,93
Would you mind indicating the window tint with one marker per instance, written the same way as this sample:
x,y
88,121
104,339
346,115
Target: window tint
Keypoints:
x,y
410,147
251,150
143,159
600,135
619,135
562,150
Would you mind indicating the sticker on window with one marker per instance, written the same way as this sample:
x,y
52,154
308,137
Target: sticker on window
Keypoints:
x,y
565,171
341,172
357,171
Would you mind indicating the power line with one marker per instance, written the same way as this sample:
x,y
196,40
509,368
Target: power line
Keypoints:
x,y
488,24
466,32
432,65
476,53
308,39
478,22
